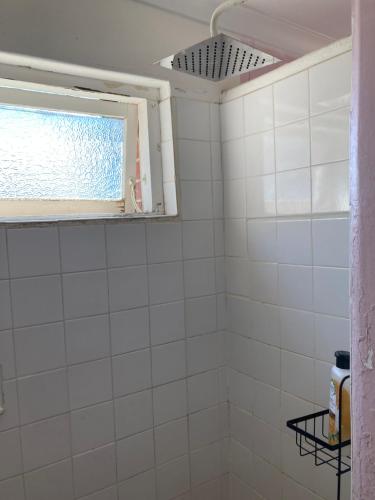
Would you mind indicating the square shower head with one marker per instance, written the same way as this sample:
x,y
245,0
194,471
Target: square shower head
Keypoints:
x,y
218,58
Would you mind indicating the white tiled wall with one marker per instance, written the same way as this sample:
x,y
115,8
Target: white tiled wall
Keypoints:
x,y
285,161
111,341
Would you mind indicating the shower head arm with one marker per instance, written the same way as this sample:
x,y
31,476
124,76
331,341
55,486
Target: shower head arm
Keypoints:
x,y
227,4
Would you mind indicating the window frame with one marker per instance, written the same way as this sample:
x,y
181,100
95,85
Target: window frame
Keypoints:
x,y
143,123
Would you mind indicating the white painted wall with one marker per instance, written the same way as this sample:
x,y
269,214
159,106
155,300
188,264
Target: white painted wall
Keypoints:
x,y
121,35
285,166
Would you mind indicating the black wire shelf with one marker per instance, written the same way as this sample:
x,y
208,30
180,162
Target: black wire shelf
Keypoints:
x,y
311,433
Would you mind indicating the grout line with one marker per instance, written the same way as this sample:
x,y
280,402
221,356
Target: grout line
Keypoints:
x,y
108,314
66,369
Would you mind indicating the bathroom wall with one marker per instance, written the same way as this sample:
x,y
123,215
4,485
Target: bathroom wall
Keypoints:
x,y
111,341
285,165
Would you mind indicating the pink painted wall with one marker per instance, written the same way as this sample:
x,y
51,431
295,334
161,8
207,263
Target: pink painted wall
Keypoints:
x,y
363,250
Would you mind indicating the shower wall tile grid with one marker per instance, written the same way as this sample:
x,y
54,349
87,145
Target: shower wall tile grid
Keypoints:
x,y
285,167
111,343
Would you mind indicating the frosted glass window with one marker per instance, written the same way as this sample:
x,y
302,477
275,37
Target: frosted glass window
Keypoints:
x,y
46,155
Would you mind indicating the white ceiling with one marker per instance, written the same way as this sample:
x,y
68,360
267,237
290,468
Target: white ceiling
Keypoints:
x,y
288,28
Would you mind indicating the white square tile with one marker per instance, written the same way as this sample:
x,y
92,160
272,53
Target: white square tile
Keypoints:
x,y
170,401
206,427
205,352
232,119
135,454
294,192
238,315
131,372
216,162
126,244
237,276
260,154
10,454
218,199
258,109
297,331
220,274
196,200
198,239
260,196
330,188
140,487
321,383
203,390
295,287
167,322
166,282
7,355
42,396
200,315
130,330
205,464
4,271
266,363
330,84
31,308
233,159
33,251
234,199
331,242
194,160
241,426
291,99
262,240
127,288
10,417
267,404
215,121
5,311
266,443
330,137
193,119
241,466
297,375
241,390
263,323
85,294
168,362
239,353
199,277
92,427
45,442
292,146
294,242
55,481
12,488
107,494
171,440
87,339
82,247
208,491
133,414
39,348
94,470
164,242
291,406
332,334
263,282
235,238
173,478
331,291
90,383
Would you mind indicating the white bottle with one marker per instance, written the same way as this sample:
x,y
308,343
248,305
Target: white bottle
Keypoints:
x,y
338,373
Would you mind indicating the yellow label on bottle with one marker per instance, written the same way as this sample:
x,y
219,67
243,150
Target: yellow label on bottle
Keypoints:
x,y
334,413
